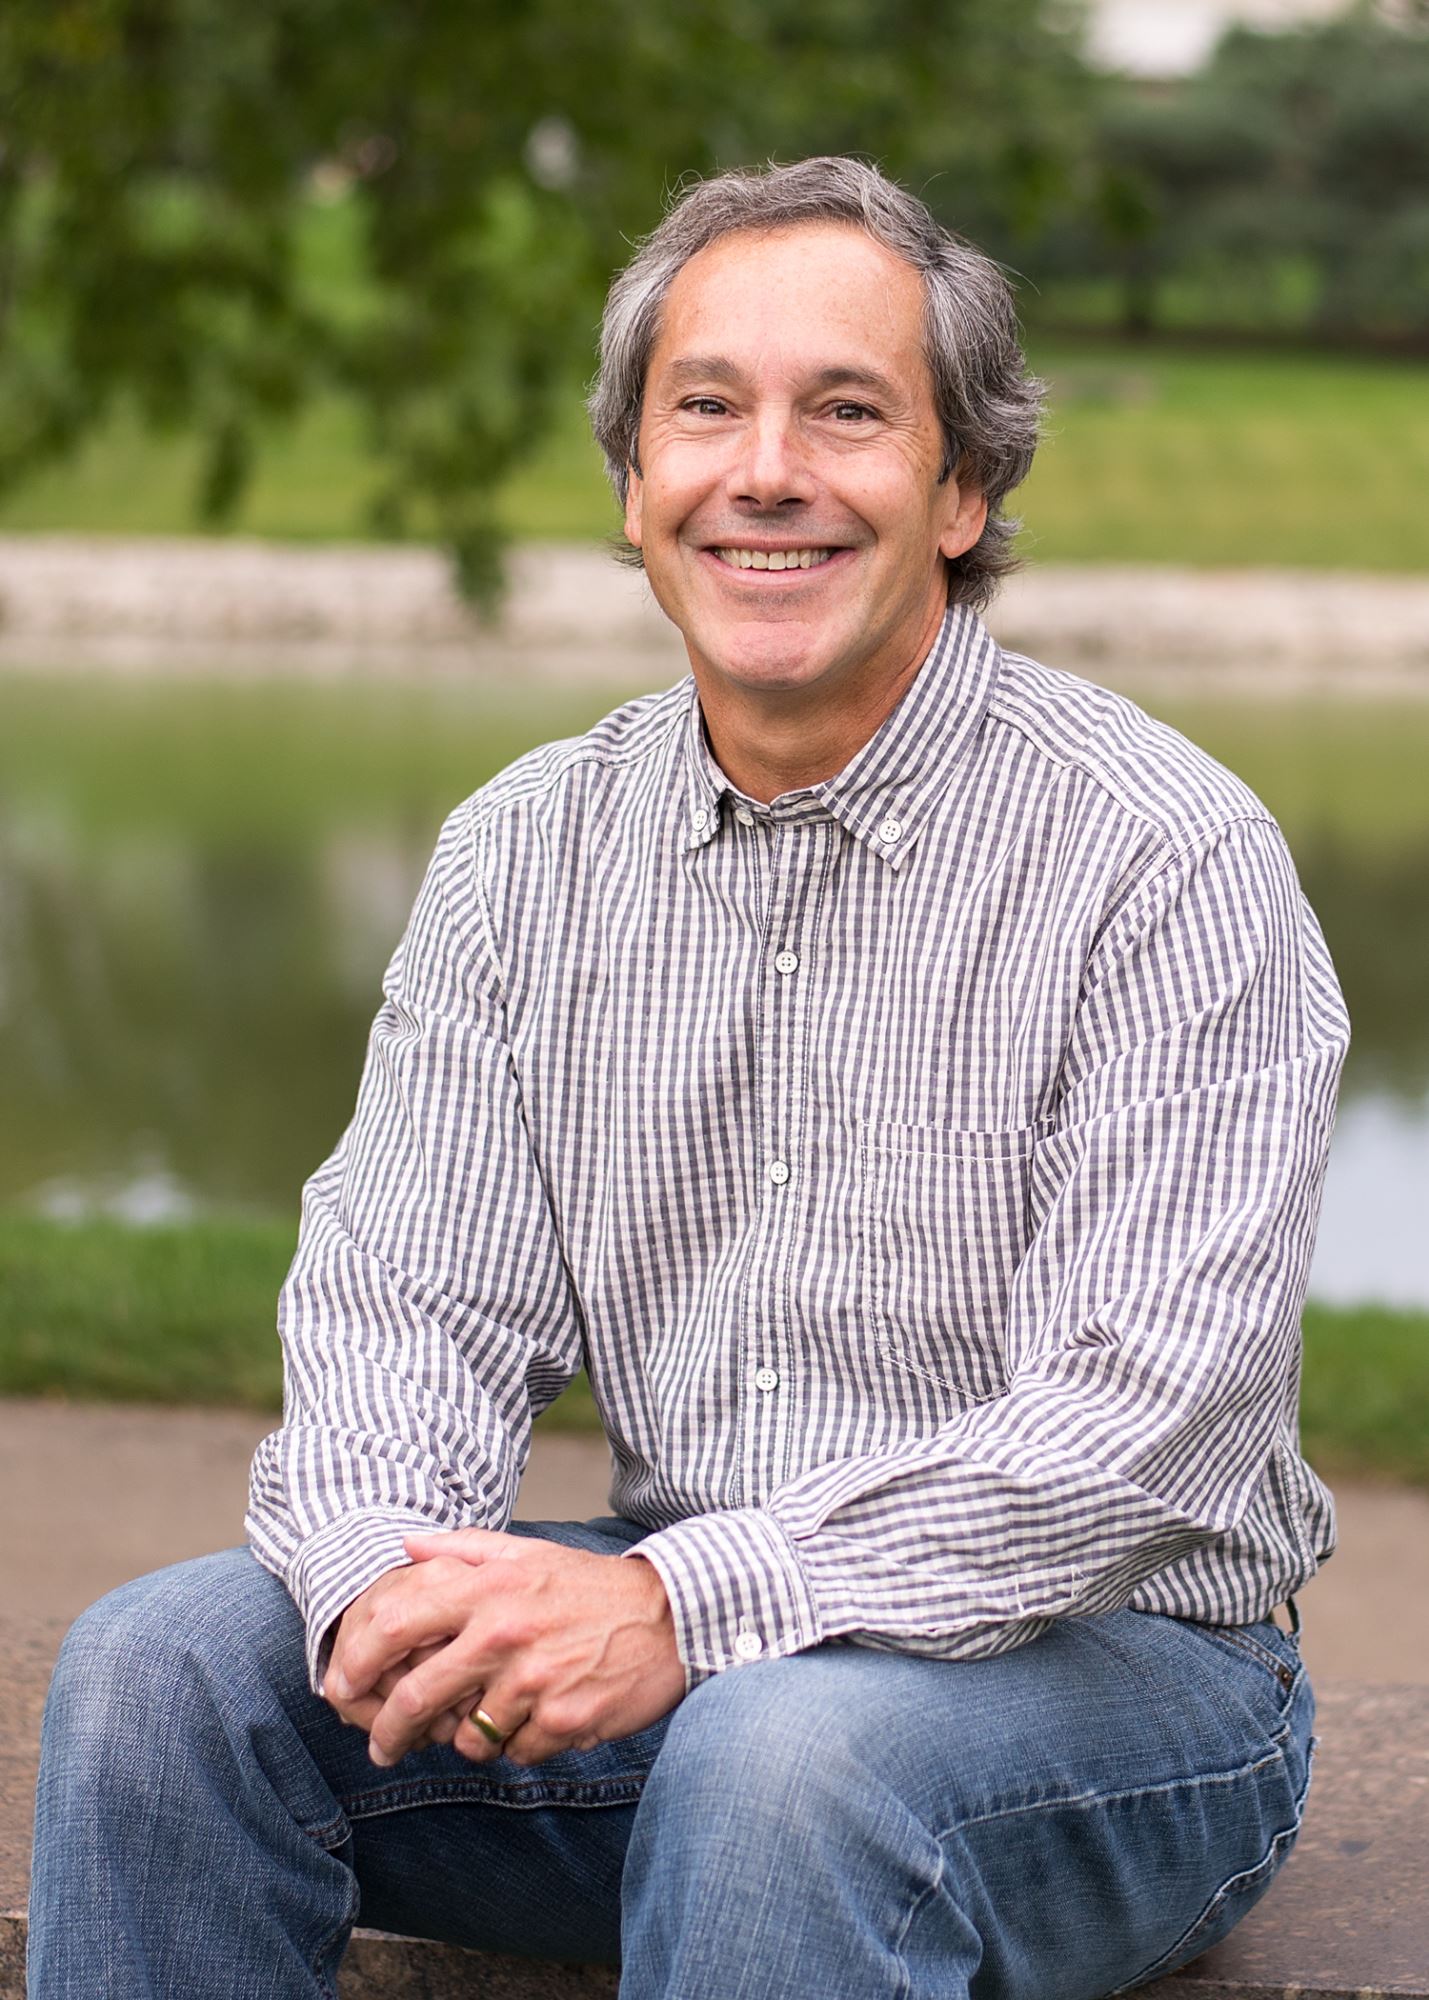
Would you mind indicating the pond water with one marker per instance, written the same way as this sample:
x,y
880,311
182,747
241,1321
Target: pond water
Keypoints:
x,y
201,881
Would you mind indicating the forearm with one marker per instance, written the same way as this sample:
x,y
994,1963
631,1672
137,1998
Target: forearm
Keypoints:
x,y
369,1450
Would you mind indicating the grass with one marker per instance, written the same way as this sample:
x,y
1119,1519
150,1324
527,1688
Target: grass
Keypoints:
x,y
184,1314
1159,454
1153,454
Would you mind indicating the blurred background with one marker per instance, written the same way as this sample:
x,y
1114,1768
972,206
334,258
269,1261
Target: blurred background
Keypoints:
x,y
314,278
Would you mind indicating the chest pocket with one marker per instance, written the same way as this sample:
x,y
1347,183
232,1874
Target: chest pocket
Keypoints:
x,y
944,1224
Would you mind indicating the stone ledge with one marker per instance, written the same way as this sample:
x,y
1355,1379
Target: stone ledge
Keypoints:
x,y
157,604
1347,1918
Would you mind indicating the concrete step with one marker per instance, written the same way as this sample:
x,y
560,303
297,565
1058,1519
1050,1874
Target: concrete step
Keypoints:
x,y
1347,1918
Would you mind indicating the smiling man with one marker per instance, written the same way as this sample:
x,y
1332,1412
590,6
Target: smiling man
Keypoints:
x,y
901,1076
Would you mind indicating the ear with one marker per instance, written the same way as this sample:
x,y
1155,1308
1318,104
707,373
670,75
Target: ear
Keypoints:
x,y
964,520
634,503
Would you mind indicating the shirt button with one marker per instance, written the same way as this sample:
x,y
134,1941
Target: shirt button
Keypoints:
x,y
744,815
701,819
778,1172
891,830
787,961
748,1645
766,1378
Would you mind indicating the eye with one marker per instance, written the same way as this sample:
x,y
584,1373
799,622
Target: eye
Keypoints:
x,y
849,413
704,406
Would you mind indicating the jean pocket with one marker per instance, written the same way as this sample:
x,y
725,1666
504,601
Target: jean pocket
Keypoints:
x,y
1275,1654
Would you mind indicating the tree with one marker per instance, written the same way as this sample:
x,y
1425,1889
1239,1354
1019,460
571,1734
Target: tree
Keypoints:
x,y
1304,151
161,162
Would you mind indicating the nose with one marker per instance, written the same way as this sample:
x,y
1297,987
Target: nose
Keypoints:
x,y
771,467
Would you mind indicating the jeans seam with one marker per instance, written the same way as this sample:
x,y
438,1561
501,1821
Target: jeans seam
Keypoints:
x,y
1083,1801
331,1834
1233,1635
905,1977
466,1792
346,1922
1269,1861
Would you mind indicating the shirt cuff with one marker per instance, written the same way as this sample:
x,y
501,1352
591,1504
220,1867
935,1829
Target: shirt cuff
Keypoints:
x,y
337,1564
735,1588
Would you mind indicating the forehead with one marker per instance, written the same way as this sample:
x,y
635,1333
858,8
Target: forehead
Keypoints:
x,y
815,293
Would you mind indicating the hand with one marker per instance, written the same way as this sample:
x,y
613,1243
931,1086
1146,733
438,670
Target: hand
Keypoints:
x,y
562,1648
364,1710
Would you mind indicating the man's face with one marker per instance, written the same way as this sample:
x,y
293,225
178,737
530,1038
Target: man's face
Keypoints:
x,y
788,504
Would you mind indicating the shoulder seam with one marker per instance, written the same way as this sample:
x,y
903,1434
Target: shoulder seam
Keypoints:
x,y
580,752
1005,710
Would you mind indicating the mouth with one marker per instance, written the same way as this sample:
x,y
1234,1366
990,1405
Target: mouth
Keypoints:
x,y
745,557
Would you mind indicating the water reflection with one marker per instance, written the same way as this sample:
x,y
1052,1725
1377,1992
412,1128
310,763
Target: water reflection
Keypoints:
x,y
1372,1233
199,889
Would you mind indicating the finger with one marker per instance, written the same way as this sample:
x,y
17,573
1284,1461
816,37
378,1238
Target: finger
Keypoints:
x,y
472,1740
526,1743
359,1714
411,1712
423,1616
445,1727
452,1678
472,1545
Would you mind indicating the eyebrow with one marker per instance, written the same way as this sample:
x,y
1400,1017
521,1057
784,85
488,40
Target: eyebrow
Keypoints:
x,y
690,368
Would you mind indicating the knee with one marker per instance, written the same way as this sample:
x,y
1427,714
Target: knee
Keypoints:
x,y
146,1660
774,1744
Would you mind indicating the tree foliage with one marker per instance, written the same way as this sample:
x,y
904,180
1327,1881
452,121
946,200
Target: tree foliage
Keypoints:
x,y
163,165
1287,183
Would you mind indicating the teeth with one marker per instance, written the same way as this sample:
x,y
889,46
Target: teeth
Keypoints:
x,y
774,558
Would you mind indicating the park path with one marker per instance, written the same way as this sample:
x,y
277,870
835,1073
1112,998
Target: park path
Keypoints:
x,y
91,1495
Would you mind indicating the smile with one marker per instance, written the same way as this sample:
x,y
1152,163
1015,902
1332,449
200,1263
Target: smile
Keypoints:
x,y
736,558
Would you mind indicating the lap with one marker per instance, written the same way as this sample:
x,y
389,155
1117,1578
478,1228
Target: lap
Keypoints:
x,y
1135,1762
1099,1805
1093,1708
478,1854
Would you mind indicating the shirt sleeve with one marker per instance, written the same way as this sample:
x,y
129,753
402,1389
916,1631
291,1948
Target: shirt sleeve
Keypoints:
x,y
1153,1330
427,1316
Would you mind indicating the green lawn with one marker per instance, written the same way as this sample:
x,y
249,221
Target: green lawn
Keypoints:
x,y
185,1315
1152,454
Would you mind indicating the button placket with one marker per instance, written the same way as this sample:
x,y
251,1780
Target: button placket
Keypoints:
x,y
800,853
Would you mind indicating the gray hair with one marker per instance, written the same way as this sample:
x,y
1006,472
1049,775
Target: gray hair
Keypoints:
x,y
987,404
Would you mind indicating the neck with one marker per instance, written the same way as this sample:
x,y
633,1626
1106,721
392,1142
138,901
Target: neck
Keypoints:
x,y
773,740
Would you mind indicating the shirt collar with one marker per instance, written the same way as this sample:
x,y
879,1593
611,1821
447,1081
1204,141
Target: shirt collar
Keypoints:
x,y
885,793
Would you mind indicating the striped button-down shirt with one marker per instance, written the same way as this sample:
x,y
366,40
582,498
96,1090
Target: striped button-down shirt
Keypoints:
x,y
924,1167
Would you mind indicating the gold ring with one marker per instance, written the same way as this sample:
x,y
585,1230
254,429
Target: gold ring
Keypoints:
x,y
487,1727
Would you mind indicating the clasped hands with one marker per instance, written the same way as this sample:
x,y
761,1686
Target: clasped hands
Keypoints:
x,y
563,1649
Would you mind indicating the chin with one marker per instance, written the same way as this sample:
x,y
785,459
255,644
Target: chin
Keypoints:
x,y
778,668
772,657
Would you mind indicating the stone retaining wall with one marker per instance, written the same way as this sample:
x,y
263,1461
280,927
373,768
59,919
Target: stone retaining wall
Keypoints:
x,y
571,609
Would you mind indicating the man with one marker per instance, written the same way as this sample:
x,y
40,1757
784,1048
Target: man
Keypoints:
x,y
902,1076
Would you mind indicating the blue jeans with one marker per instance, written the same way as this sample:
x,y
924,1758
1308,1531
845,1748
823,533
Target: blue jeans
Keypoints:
x,y
1056,1824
